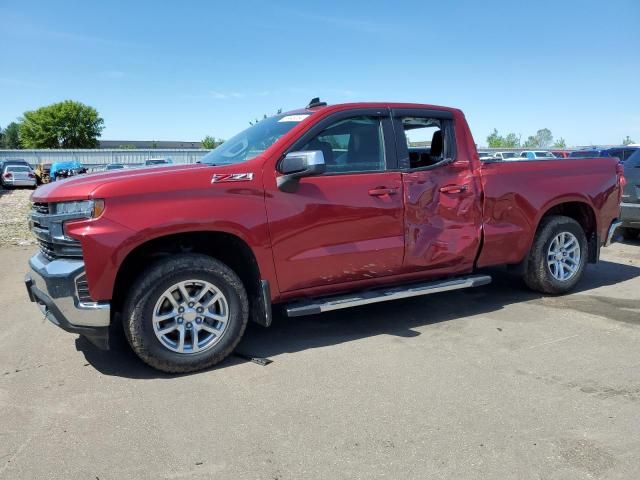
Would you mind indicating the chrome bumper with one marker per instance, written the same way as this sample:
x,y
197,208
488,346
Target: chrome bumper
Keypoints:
x,y
612,230
52,285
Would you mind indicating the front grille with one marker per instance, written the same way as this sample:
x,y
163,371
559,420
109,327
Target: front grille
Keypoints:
x,y
49,231
47,249
53,250
82,289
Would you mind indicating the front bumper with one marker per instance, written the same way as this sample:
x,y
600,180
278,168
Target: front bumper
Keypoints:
x,y
630,215
53,286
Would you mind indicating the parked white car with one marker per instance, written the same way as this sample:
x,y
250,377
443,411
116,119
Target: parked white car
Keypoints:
x,y
537,155
17,176
505,155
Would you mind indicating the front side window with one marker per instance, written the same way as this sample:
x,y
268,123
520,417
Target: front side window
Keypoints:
x,y
253,141
351,145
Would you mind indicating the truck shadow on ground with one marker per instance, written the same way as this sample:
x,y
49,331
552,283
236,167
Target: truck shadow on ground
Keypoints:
x,y
398,318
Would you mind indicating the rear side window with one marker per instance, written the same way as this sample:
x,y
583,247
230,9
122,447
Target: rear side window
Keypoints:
x,y
351,145
429,141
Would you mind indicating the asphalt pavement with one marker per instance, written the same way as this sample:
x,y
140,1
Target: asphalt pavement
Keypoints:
x,y
492,383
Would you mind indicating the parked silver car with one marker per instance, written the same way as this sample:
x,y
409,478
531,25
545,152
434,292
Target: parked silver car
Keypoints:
x,y
630,208
17,176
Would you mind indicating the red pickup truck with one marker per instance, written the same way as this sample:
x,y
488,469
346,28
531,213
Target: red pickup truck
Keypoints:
x,y
318,209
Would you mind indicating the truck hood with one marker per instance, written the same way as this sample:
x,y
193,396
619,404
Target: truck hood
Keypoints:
x,y
125,181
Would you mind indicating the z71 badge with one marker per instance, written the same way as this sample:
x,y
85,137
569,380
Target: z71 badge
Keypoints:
x,y
231,177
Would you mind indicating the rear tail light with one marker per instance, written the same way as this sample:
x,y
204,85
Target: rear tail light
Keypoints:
x,y
31,175
8,175
620,172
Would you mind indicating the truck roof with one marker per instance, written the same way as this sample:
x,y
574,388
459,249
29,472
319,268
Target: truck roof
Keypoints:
x,y
355,105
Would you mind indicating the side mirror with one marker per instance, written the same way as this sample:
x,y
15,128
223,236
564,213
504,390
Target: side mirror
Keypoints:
x,y
297,165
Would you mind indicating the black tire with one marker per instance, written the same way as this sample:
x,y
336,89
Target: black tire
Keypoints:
x,y
147,289
538,275
629,233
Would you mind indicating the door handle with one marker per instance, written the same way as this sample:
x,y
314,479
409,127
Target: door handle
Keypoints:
x,y
380,191
454,188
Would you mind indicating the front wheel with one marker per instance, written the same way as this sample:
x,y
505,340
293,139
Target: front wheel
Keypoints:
x,y
558,256
186,313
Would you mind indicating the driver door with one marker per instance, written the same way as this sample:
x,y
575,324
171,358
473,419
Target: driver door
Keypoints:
x,y
345,225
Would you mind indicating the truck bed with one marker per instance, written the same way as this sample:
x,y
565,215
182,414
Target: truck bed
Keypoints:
x,y
518,192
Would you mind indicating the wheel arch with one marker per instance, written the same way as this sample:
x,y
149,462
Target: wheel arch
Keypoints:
x,y
580,210
228,248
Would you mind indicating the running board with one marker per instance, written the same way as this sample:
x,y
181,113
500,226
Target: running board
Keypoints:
x,y
328,304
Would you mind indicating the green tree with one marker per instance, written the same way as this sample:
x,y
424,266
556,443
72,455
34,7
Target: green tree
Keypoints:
x,y
209,142
67,124
1,138
560,143
627,141
494,140
12,136
545,138
511,141
542,139
530,142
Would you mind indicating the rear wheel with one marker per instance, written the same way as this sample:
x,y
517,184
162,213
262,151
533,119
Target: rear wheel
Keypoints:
x,y
186,313
558,256
630,233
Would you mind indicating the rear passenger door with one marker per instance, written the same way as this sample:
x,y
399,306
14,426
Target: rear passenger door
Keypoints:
x,y
442,197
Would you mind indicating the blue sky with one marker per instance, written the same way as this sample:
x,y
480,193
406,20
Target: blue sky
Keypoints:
x,y
182,70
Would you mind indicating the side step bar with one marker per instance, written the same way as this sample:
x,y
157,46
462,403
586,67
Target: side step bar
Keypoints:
x,y
328,304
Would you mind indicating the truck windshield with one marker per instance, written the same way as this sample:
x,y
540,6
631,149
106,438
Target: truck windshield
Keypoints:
x,y
253,141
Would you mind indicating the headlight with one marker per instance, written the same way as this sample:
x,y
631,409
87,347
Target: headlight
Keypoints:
x,y
80,209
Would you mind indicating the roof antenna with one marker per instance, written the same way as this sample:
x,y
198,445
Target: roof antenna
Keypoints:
x,y
315,102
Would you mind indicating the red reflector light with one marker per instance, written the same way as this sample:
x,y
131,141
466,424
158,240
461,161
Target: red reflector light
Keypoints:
x,y
8,175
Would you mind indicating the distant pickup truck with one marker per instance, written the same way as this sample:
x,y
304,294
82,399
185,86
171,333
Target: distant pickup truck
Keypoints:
x,y
314,210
